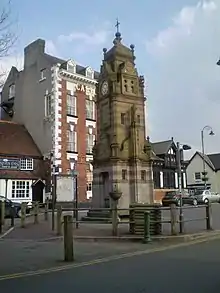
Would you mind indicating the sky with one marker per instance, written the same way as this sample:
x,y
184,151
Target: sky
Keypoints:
x,y
177,45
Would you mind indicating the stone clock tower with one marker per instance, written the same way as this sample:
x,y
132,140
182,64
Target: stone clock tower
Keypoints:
x,y
122,155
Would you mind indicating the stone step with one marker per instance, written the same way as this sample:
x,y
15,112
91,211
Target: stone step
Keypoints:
x,y
99,214
95,219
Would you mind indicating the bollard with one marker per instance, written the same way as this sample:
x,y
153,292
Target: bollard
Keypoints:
x,y
23,214
36,212
59,220
68,238
46,210
147,237
13,218
114,218
3,212
208,216
173,219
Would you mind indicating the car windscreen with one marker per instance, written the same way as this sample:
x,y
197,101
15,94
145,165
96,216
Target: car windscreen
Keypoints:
x,y
170,194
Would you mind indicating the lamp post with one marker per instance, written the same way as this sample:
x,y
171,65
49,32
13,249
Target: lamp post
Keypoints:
x,y
208,128
184,147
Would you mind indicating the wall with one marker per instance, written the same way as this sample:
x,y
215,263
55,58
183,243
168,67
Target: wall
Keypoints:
x,y
196,165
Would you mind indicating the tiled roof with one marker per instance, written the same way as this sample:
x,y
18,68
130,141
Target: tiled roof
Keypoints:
x,y
79,69
16,140
215,159
162,147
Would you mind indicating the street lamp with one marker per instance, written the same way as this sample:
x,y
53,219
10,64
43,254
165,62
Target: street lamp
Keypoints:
x,y
184,147
218,63
208,128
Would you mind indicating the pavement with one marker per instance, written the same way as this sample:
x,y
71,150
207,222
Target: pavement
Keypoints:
x,y
184,267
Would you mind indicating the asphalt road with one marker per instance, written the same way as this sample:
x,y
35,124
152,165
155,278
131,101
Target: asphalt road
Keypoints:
x,y
191,269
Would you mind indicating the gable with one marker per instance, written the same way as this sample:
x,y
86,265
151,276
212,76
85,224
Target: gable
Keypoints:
x,y
196,163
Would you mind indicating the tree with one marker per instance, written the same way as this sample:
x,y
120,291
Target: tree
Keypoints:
x,y
7,35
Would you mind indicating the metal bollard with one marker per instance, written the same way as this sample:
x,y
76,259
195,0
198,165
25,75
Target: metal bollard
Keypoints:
x,y
147,237
68,238
23,214
59,220
2,212
36,212
173,219
208,216
46,210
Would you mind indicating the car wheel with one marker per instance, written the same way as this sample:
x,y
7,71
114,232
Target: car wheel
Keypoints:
x,y
19,213
195,203
206,201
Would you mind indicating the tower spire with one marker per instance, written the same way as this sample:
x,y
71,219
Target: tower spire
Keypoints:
x,y
117,34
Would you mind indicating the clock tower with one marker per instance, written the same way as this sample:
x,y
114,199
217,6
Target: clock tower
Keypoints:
x,y
121,154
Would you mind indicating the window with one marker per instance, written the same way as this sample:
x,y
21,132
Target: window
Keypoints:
x,y
20,189
90,143
90,109
125,85
124,174
143,175
71,141
42,74
156,177
197,176
11,91
71,105
138,119
26,164
89,187
123,118
48,105
89,72
71,66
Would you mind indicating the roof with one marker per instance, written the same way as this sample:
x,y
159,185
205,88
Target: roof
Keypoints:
x,y
212,160
215,159
16,140
79,69
162,147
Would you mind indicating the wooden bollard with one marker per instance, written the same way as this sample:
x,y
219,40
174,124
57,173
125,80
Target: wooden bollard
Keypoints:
x,y
59,220
208,216
23,214
68,238
173,219
3,212
46,210
36,212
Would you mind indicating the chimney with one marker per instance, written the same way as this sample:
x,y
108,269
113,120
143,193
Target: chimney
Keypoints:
x,y
32,51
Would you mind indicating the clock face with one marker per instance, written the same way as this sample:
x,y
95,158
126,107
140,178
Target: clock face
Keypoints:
x,y
104,88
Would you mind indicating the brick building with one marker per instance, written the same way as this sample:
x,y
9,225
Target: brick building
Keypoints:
x,y
23,172
55,100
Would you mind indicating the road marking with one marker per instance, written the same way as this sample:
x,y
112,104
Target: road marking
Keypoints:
x,y
7,232
103,260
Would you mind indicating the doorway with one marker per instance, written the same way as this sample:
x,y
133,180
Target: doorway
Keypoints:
x,y
105,189
38,191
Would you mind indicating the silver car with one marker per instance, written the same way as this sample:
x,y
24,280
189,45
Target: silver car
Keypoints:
x,y
206,196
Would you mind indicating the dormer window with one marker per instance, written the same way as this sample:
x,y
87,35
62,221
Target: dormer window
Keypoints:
x,y
89,72
11,91
71,66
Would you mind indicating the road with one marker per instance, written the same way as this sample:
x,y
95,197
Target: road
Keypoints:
x,y
192,268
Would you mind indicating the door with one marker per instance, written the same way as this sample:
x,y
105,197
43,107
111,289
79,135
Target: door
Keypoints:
x,y
105,184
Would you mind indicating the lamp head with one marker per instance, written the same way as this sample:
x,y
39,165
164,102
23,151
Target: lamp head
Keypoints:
x,y
211,133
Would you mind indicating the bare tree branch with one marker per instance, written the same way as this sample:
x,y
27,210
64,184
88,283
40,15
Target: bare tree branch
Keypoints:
x,y
7,35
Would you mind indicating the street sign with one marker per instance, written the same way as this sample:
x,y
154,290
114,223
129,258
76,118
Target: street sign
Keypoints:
x,y
9,164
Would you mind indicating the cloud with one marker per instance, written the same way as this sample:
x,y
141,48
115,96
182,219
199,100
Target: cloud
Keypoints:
x,y
184,85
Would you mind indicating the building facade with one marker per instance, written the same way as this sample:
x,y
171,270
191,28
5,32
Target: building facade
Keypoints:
x,y
165,168
195,172
55,100
23,172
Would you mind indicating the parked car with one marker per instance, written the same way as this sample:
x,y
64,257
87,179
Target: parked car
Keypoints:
x,y
206,196
12,208
174,197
